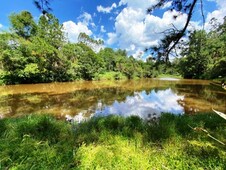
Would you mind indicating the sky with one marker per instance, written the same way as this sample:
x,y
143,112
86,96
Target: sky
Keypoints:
x,y
121,24
142,104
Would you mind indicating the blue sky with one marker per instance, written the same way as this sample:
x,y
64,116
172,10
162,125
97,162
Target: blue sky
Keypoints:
x,y
120,23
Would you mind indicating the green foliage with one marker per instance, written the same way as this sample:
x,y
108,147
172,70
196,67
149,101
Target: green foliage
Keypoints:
x,y
205,55
95,45
110,76
195,63
50,30
161,69
38,52
23,24
43,129
219,68
38,58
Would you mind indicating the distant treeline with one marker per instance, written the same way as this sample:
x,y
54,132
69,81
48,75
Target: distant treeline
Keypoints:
x,y
39,52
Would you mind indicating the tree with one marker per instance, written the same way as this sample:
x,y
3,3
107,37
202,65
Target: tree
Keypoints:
x,y
217,44
23,24
28,57
195,62
50,29
89,63
109,58
17,61
87,40
204,56
173,35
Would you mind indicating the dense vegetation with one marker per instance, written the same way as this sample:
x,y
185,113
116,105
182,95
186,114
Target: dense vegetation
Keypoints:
x,y
39,52
205,53
113,142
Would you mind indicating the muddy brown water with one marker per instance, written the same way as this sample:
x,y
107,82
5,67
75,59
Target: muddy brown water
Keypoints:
x,y
132,97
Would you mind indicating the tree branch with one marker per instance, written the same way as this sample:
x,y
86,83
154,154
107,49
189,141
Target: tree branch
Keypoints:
x,y
203,17
181,33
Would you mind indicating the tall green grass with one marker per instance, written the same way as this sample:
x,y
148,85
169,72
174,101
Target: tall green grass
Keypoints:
x,y
35,142
113,142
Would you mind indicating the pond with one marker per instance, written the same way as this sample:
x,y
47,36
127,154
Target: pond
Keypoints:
x,y
145,97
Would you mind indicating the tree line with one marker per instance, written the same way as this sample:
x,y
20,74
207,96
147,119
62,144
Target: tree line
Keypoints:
x,y
40,52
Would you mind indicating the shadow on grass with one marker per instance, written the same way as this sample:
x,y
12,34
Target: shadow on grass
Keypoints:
x,y
170,140
36,142
43,142
168,126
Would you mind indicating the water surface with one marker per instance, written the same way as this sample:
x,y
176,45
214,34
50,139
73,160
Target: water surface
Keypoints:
x,y
133,97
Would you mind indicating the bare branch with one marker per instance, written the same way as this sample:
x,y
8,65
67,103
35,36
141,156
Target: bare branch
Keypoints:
x,y
181,33
203,17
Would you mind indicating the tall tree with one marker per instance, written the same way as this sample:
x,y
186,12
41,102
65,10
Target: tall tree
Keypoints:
x,y
50,29
90,42
23,24
195,62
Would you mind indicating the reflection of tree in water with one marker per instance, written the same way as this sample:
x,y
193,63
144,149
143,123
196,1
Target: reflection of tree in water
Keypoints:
x,y
201,97
58,99
72,102
18,104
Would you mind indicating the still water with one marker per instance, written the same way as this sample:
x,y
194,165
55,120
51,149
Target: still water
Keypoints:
x,y
132,97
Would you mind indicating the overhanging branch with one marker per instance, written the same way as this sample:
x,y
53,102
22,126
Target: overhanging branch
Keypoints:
x,y
180,35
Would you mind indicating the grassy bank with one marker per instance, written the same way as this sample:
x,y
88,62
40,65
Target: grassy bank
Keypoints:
x,y
110,76
113,142
169,76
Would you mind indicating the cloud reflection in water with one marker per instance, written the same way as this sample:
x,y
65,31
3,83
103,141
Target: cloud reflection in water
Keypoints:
x,y
144,104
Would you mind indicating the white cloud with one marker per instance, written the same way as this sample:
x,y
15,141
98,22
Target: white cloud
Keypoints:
x,y
218,14
86,19
167,5
112,38
1,25
73,30
135,30
144,105
102,29
138,54
106,9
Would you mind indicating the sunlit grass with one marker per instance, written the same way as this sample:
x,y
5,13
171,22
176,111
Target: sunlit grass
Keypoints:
x,y
113,142
169,76
111,75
